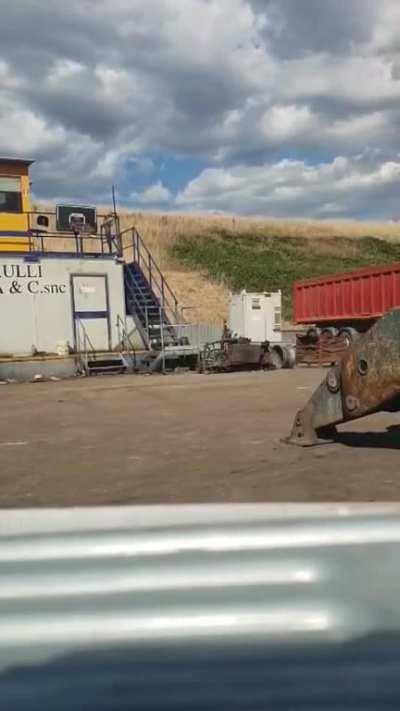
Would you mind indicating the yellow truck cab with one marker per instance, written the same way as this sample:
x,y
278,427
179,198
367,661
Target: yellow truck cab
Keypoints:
x,y
14,204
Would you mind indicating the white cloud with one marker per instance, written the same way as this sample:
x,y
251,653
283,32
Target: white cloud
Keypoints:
x,y
295,188
156,194
282,122
64,69
361,80
23,131
8,80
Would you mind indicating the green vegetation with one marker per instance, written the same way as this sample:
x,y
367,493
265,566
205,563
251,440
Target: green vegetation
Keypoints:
x,y
265,263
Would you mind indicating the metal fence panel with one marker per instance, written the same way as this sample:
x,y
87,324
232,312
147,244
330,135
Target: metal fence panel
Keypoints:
x,y
213,607
198,334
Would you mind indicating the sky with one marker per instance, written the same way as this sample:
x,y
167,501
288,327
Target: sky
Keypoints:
x,y
285,108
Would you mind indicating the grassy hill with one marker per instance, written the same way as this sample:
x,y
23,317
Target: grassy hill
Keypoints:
x,y
206,257
268,263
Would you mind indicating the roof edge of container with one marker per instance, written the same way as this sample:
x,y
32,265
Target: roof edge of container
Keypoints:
x,y
354,273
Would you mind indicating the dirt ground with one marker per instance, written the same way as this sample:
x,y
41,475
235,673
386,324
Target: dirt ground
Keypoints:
x,y
184,438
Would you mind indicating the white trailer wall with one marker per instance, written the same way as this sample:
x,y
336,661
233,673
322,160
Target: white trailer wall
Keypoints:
x,y
36,301
257,316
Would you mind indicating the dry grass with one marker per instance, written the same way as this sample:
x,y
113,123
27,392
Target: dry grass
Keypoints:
x,y
160,231
206,301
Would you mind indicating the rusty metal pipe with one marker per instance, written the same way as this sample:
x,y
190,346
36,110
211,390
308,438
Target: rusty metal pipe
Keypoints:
x,y
366,380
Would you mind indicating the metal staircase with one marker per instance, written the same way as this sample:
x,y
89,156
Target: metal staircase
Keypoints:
x,y
149,298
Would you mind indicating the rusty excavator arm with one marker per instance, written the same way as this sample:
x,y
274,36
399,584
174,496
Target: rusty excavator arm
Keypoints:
x,y
366,380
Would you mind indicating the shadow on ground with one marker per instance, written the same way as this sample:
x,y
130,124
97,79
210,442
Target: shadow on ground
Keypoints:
x,y
388,439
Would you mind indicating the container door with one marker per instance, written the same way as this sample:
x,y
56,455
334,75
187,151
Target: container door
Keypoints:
x,y
91,315
256,318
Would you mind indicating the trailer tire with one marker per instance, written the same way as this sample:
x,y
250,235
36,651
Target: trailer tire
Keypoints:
x,y
282,357
349,334
276,358
330,332
313,334
290,357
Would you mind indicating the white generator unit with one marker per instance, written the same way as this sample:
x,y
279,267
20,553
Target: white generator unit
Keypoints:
x,y
257,316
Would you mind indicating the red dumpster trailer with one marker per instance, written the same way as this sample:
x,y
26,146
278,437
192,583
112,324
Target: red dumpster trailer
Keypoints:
x,y
337,308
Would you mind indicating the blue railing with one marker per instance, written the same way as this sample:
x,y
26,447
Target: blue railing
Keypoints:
x,y
141,256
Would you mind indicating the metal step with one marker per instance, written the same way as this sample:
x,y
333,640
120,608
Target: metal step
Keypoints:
x,y
106,365
151,303
150,306
118,370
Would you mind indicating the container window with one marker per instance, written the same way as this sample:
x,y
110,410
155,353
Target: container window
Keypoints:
x,y
255,304
10,195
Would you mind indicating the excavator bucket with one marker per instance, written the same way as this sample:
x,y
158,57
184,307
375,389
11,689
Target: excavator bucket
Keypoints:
x,y
366,380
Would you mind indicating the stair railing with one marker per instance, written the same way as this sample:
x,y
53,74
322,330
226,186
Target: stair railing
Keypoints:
x,y
83,345
151,271
125,339
139,306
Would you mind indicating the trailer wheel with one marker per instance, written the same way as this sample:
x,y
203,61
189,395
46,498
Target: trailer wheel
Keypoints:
x,y
329,332
349,334
290,357
313,334
277,358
